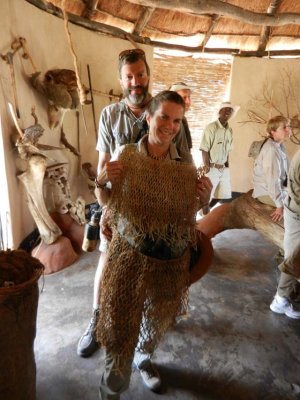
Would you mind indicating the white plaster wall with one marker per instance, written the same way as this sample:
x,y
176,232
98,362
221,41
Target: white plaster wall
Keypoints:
x,y
47,44
248,77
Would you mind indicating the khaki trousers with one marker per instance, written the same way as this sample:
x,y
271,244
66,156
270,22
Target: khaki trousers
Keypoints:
x,y
290,266
115,380
287,285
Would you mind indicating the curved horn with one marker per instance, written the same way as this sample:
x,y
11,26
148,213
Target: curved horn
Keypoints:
x,y
14,117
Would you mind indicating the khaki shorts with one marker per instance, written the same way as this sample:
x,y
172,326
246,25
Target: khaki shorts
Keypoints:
x,y
220,179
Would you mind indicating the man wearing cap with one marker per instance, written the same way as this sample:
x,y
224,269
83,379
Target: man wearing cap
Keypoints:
x,y
215,147
185,92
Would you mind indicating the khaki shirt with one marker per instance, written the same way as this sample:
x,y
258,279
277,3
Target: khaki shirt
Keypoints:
x,y
217,141
294,183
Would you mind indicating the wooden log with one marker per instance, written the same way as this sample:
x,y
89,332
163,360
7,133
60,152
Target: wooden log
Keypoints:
x,y
205,259
244,212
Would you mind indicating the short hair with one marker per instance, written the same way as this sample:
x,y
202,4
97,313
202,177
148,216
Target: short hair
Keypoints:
x,y
132,56
165,95
275,122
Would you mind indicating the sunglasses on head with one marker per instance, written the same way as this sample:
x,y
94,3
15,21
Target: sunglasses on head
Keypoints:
x,y
126,53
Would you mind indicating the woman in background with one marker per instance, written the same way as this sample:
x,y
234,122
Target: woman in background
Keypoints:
x,y
271,167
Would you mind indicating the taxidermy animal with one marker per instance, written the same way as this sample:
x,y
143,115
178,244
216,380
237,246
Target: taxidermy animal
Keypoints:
x,y
61,90
27,143
33,177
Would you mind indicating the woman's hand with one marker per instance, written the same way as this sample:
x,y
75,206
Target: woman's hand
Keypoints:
x,y
105,231
105,224
277,214
204,188
111,171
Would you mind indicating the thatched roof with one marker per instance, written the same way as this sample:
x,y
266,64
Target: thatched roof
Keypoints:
x,y
257,27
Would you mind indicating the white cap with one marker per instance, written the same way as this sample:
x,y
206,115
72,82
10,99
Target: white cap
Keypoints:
x,y
179,86
227,104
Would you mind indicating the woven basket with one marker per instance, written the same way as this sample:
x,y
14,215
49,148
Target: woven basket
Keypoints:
x,y
18,311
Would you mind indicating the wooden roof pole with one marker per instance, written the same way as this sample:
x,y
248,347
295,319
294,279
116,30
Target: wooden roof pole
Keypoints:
x,y
200,7
266,30
214,19
90,8
119,33
143,20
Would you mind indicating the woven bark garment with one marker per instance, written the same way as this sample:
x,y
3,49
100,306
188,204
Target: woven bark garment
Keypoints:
x,y
141,295
157,197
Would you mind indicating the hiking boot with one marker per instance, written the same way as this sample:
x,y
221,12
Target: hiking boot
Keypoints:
x,y
87,344
281,305
150,375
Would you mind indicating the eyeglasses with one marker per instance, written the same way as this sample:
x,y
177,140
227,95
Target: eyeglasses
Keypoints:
x,y
127,53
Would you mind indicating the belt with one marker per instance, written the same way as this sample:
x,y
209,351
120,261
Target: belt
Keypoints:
x,y
218,166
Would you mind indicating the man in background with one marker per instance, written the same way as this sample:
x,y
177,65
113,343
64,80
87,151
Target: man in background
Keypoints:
x,y
185,92
215,147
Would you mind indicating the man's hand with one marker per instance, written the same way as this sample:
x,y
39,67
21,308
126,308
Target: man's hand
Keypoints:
x,y
203,170
277,214
204,188
206,169
206,160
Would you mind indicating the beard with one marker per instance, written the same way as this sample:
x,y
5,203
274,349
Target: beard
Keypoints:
x,y
136,99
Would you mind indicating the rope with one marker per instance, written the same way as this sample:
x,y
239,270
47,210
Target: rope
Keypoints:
x,y
82,93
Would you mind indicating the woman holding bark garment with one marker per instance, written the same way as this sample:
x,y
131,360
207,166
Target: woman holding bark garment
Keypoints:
x,y
154,197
